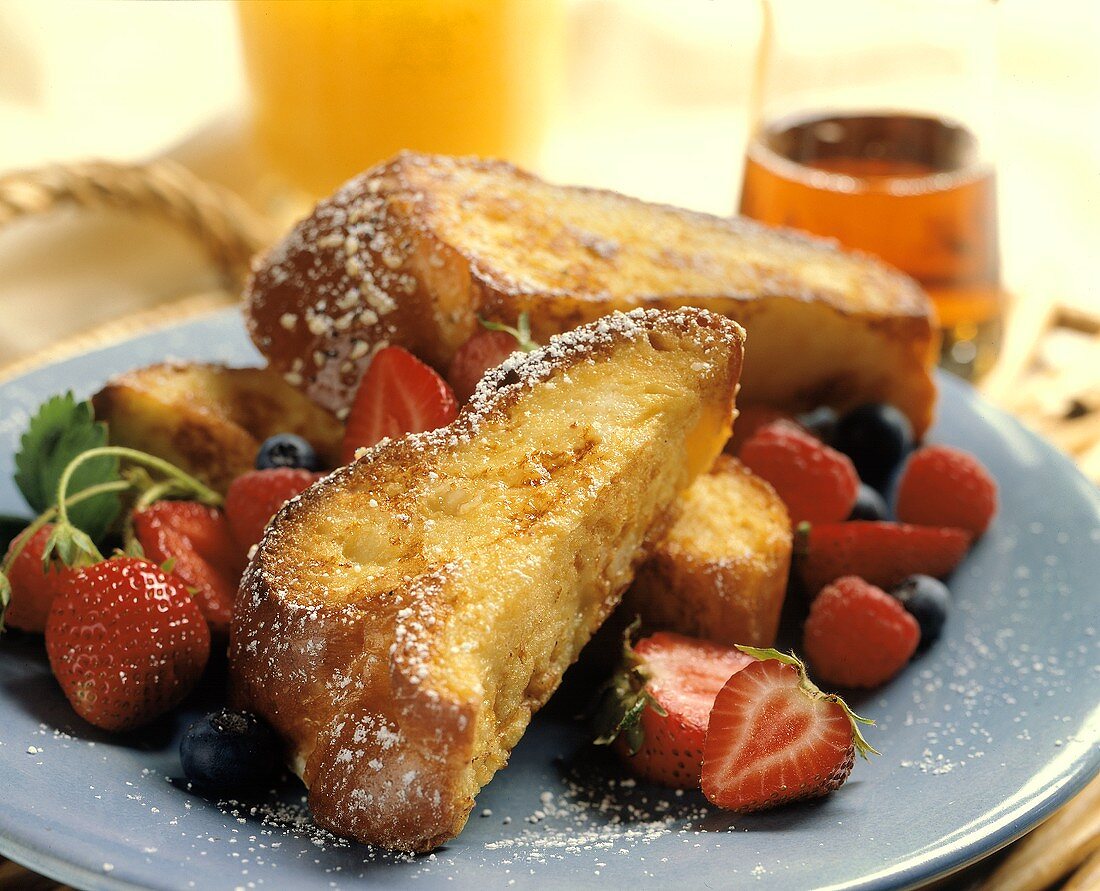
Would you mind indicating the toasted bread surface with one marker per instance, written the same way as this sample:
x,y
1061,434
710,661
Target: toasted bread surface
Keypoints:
x,y
414,251
721,572
402,619
210,419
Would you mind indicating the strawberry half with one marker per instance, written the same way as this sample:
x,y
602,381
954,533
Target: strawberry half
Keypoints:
x,y
126,642
775,738
203,553
882,553
399,394
659,703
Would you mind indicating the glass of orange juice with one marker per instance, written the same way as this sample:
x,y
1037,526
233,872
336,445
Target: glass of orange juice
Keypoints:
x,y
338,85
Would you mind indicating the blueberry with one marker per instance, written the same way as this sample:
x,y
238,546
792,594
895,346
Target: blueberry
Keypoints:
x,y
227,751
869,505
821,422
927,600
286,450
876,437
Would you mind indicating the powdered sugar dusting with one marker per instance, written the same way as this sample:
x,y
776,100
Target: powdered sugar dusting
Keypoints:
x,y
345,269
392,595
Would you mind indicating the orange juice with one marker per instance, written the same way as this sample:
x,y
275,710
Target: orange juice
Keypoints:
x,y
339,85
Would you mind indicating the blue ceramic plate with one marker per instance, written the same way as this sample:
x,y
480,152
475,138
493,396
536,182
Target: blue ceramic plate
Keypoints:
x,y
981,737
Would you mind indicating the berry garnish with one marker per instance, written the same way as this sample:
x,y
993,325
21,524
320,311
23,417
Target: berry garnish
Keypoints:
x,y
817,483
197,542
881,553
67,544
255,497
33,584
942,486
821,422
399,394
857,635
927,600
126,642
751,418
655,709
774,737
486,349
228,751
876,437
286,450
870,505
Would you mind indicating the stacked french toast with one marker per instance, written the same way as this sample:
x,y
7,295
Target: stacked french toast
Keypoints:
x,y
416,588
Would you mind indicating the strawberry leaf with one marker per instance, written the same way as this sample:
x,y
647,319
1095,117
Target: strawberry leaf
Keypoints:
x,y
61,429
72,546
623,698
521,332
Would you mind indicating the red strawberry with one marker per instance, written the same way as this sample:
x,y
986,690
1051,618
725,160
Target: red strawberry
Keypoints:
x,y
882,553
774,737
399,394
942,486
126,642
857,635
818,484
33,588
255,497
200,544
661,700
484,350
751,418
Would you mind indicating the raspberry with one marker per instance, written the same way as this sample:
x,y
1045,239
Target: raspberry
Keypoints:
x,y
882,553
942,486
857,635
255,497
817,483
751,418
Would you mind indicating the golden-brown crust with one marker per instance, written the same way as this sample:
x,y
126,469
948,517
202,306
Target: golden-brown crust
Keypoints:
x,y
211,419
403,618
414,250
721,572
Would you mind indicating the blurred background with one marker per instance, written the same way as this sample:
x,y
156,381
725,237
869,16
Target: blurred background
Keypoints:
x,y
653,98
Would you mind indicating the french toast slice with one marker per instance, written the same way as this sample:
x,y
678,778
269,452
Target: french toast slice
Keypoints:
x,y
721,571
403,618
413,251
211,419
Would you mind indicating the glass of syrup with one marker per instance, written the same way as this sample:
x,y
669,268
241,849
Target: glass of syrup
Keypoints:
x,y
871,123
